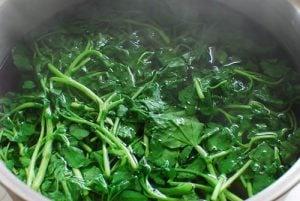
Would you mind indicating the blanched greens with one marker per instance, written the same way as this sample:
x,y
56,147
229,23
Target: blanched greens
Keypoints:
x,y
118,108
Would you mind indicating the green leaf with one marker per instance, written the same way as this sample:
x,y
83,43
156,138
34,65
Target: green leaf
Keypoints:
x,y
122,110
26,130
121,180
264,94
263,154
175,130
161,156
95,180
220,141
189,99
28,84
274,68
58,168
231,163
129,195
261,181
197,165
74,156
127,132
78,132
21,58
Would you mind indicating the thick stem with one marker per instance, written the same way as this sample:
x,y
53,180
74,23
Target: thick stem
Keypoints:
x,y
75,65
106,162
249,189
198,88
66,190
69,81
201,151
178,190
47,151
86,147
31,174
78,174
218,187
154,193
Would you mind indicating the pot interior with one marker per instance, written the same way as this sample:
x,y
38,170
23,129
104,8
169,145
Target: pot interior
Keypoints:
x,y
228,20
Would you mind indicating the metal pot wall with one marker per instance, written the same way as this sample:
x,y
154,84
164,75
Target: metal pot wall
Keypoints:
x,y
280,17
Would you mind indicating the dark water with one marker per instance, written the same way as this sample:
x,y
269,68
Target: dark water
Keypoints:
x,y
167,14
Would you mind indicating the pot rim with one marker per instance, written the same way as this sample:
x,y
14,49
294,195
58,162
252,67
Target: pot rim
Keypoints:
x,y
281,186
273,192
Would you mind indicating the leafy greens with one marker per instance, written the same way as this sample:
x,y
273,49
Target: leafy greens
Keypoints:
x,y
115,107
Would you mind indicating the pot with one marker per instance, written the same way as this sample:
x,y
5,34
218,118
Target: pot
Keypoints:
x,y
280,17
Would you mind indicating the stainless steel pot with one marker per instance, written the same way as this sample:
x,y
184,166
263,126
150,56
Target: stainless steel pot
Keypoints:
x,y
280,17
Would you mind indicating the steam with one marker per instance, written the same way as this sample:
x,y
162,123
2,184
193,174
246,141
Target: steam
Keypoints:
x,y
20,16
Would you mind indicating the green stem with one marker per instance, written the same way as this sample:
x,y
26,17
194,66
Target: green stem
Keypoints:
x,y
201,151
255,76
195,185
143,55
110,138
105,139
31,175
211,179
81,64
69,81
222,197
220,154
80,87
47,152
78,174
218,187
67,191
228,116
138,92
178,190
198,88
131,158
249,189
208,134
154,193
210,168
82,106
106,162
75,65
260,136
86,147
219,84
23,106
115,126
162,34
236,175
83,89
146,144
232,196
114,104
236,106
